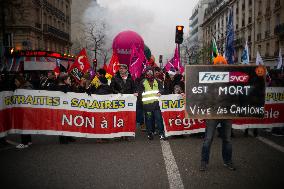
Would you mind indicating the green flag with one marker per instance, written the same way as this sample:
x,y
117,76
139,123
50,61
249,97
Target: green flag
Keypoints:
x,y
214,52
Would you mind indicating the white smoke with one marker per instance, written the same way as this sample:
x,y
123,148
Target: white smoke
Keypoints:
x,y
154,20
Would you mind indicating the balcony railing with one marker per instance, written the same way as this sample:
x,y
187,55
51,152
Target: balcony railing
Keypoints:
x,y
56,32
50,8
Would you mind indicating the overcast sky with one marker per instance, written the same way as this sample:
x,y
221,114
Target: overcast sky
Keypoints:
x,y
154,20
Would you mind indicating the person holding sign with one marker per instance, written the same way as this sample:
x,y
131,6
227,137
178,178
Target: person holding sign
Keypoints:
x,y
211,125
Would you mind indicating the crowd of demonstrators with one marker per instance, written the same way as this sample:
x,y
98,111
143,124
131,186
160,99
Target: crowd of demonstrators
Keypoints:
x,y
152,83
148,113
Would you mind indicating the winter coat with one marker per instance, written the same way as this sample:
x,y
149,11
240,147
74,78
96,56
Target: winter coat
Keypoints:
x,y
119,86
103,89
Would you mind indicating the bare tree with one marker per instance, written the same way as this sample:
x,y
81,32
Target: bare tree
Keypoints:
x,y
95,36
93,39
105,54
194,52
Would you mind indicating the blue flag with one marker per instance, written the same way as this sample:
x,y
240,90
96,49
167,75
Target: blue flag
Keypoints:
x,y
230,39
245,55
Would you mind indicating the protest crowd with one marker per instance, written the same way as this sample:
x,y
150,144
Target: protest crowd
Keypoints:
x,y
147,84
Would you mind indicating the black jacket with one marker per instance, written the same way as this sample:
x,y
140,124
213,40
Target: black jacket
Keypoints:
x,y
119,86
63,88
103,89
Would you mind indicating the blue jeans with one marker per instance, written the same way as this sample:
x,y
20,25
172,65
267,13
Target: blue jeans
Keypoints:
x,y
139,115
152,117
226,126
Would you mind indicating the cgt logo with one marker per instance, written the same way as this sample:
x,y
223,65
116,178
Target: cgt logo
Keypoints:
x,y
223,77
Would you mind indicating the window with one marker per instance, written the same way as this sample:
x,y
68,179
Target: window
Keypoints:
x,y
267,49
250,2
259,27
49,20
259,5
276,45
244,5
277,19
268,25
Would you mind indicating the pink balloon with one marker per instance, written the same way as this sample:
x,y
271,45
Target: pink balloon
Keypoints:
x,y
122,44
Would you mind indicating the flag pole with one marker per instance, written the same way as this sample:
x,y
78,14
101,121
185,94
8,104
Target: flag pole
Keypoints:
x,y
179,55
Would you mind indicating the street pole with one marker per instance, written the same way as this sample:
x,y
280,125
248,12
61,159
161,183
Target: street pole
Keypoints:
x,y
179,55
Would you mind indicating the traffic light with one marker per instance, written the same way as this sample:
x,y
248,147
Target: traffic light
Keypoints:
x,y
179,34
95,63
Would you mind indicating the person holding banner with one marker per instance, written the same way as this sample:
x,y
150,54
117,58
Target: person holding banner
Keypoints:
x,y
122,81
226,127
150,89
64,85
21,83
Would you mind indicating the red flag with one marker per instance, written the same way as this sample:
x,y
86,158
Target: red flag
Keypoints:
x,y
113,64
80,66
105,67
175,62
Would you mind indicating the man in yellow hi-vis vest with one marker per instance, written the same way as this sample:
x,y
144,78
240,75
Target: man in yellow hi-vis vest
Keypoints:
x,y
151,89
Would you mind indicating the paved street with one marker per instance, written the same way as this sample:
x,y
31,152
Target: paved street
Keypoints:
x,y
140,164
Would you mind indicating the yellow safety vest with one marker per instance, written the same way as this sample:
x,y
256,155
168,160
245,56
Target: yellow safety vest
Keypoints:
x,y
150,94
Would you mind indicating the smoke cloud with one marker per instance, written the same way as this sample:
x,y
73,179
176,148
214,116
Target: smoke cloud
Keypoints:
x,y
154,20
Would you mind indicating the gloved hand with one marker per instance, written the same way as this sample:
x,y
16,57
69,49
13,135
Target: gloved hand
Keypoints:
x,y
89,93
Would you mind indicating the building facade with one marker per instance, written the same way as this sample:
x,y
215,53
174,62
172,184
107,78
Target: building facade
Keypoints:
x,y
195,21
36,25
259,22
78,9
191,52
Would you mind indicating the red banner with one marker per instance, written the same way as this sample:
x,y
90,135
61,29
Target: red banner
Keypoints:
x,y
108,116
71,114
175,122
